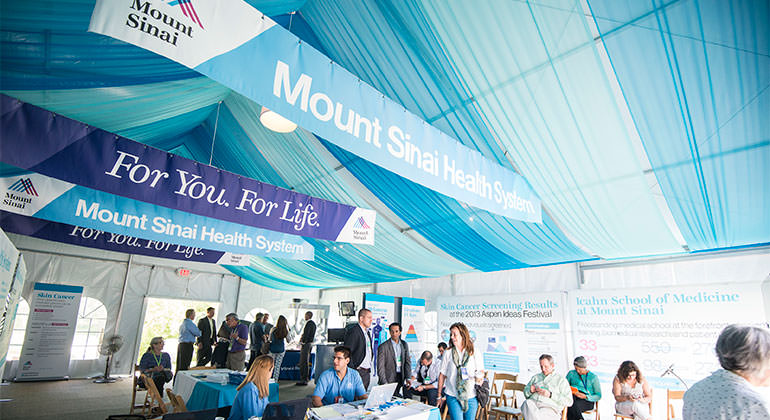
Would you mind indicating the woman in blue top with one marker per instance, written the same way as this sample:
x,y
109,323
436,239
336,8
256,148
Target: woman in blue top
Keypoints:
x,y
156,363
253,392
278,337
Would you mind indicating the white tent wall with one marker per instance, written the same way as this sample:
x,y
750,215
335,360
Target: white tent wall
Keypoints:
x,y
276,302
103,274
332,297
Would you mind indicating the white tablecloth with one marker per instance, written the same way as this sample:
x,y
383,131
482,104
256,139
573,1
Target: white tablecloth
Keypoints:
x,y
185,383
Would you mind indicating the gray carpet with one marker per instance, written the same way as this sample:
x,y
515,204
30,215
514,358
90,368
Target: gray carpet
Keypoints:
x,y
82,399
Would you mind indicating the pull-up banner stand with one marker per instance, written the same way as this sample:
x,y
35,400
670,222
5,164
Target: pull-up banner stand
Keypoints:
x,y
50,144
236,45
53,313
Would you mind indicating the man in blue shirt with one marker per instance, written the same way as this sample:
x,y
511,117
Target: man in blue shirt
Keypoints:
x,y
339,384
187,333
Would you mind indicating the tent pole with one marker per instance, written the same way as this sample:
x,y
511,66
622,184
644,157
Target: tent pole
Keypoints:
x,y
123,293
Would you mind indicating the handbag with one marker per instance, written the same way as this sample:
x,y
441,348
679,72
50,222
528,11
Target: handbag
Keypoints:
x,y
482,392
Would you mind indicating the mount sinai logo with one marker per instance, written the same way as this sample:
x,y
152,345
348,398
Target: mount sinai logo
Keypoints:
x,y
157,23
17,194
361,224
188,9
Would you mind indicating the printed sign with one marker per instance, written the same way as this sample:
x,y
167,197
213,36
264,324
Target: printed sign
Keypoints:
x,y
512,331
9,256
42,142
659,327
58,201
413,324
383,313
53,315
92,238
236,45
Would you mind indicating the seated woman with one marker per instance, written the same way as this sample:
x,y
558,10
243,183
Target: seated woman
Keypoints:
x,y
425,379
632,392
253,392
156,364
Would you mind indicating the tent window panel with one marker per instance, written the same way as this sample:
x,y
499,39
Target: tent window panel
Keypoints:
x,y
19,330
92,317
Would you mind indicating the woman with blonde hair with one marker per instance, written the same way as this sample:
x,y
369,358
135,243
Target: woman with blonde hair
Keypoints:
x,y
462,369
253,392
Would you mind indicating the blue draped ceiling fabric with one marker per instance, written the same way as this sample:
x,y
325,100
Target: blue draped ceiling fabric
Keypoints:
x,y
589,100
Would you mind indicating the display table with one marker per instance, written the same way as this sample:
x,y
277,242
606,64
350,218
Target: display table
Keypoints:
x,y
200,394
290,365
398,409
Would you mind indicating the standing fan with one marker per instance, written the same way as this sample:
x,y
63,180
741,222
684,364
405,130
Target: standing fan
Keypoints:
x,y
108,348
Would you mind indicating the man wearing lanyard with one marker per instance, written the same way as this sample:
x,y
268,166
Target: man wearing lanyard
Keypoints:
x,y
586,389
425,381
338,384
393,364
358,339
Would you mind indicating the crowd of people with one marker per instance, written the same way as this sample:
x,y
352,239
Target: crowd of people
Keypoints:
x,y
452,376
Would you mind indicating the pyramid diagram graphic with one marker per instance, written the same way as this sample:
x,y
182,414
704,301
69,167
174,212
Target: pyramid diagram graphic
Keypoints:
x,y
411,335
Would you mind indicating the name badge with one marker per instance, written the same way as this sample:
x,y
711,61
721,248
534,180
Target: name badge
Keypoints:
x,y
398,359
464,373
427,379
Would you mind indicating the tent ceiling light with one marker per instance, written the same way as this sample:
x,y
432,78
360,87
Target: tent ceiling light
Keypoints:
x,y
275,122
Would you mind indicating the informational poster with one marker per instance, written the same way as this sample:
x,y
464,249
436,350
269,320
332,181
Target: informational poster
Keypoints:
x,y
50,329
383,313
413,324
9,256
511,331
660,327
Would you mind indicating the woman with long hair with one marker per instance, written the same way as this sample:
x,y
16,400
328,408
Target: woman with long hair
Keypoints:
x,y
632,392
156,363
253,392
278,337
461,371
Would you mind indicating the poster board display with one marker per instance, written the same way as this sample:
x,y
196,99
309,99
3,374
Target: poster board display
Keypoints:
x,y
50,329
9,256
512,331
383,313
660,327
413,325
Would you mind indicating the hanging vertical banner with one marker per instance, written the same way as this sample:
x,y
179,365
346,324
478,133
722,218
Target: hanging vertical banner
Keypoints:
x,y
236,45
9,257
383,313
511,330
53,313
40,141
413,324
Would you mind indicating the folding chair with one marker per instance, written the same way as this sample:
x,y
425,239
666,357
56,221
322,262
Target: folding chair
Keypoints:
x,y
594,410
138,387
672,396
493,392
176,401
506,410
627,417
154,399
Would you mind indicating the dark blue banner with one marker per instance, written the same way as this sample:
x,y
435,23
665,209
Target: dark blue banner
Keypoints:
x,y
94,238
50,144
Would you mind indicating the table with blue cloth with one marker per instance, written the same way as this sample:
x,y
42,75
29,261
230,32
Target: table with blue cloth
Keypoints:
x,y
290,365
199,394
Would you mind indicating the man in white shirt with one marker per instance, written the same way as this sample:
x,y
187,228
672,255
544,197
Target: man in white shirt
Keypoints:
x,y
425,378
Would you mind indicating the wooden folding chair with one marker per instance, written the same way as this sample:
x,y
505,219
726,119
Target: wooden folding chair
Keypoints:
x,y
506,410
176,401
493,392
138,387
672,396
154,399
594,410
629,417
446,410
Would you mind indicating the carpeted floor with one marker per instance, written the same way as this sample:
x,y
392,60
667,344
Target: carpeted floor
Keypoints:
x,y
82,399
